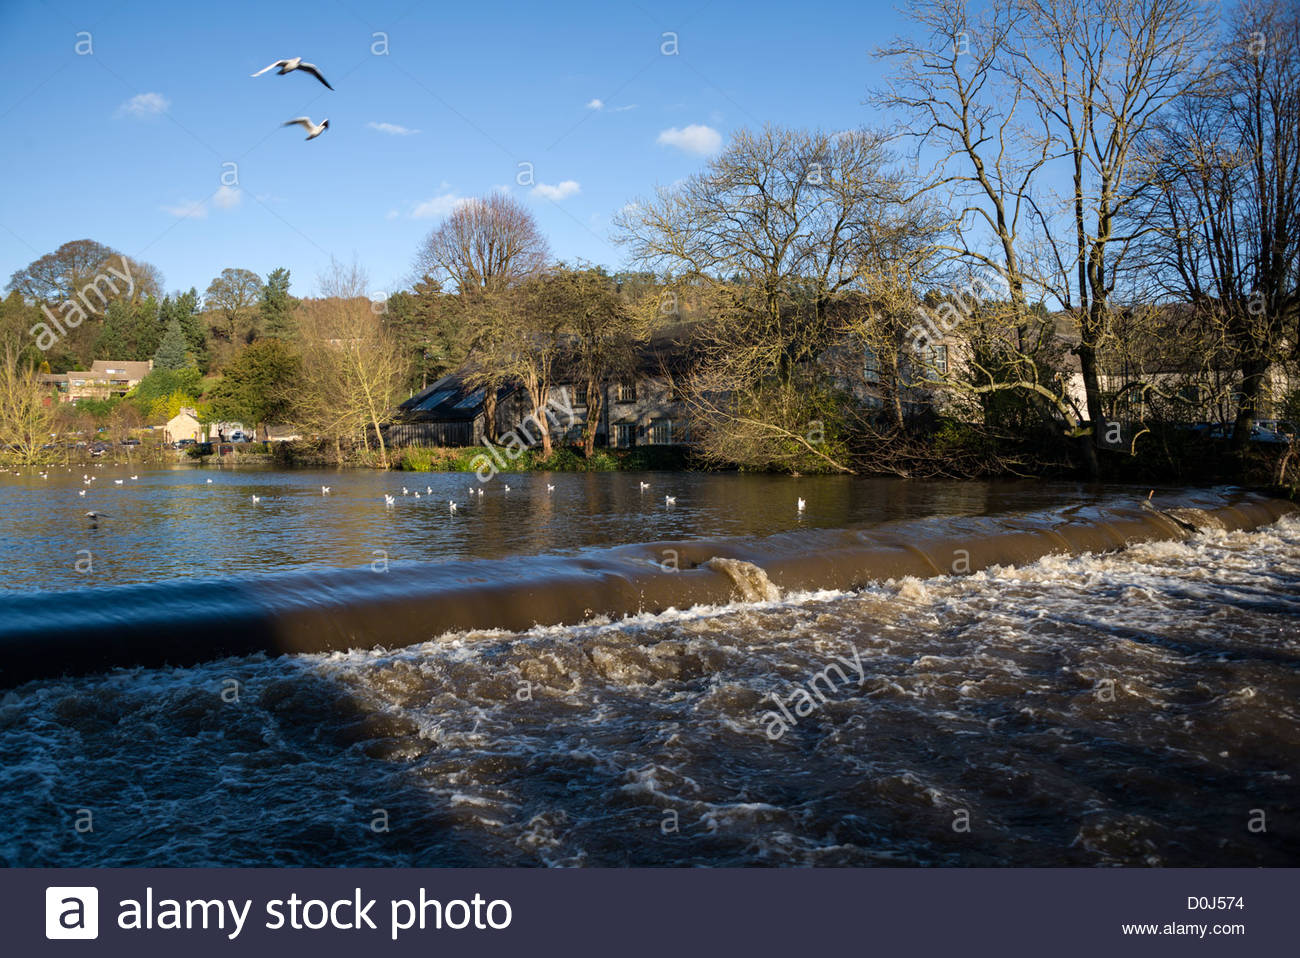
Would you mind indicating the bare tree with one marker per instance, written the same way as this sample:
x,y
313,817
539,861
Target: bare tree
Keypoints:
x,y
1099,73
771,232
1226,215
485,244
601,332
27,409
484,247
353,369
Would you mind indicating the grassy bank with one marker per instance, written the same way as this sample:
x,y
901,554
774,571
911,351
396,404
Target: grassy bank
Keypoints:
x,y
562,459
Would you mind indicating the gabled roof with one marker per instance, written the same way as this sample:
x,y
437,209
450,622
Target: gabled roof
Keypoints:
x,y
125,369
450,399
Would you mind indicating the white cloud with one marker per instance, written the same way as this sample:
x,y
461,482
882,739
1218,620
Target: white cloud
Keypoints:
x,y
392,215
599,104
557,192
392,129
144,105
439,205
187,210
695,138
227,198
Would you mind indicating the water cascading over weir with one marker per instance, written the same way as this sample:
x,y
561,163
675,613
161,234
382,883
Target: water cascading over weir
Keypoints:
x,y
181,623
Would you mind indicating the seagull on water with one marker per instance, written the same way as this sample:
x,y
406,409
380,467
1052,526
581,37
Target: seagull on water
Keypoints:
x,y
801,505
507,487
117,482
549,487
389,500
405,491
82,492
256,499
451,505
134,478
291,64
324,490
670,500
209,482
417,493
428,490
313,129
645,486
480,492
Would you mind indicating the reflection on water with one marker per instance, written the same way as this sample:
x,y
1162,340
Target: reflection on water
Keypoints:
x,y
174,522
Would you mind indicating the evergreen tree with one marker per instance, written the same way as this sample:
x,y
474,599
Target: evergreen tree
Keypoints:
x,y
277,306
184,308
173,351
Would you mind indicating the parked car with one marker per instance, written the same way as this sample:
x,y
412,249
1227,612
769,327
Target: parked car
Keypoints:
x,y
1274,431
130,442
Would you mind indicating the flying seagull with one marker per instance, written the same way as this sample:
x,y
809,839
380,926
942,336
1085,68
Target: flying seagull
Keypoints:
x,y
294,63
312,129
94,516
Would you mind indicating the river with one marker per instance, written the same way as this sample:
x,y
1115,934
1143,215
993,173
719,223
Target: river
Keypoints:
x,y
1137,708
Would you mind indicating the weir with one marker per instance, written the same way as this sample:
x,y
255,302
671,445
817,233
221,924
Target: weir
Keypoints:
x,y
47,635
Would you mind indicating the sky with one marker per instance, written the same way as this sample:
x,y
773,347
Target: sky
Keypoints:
x,y
137,124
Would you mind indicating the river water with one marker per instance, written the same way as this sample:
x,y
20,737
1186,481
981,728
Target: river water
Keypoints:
x,y
1137,708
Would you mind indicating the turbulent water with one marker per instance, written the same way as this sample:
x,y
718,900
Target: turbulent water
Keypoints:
x,y
1139,708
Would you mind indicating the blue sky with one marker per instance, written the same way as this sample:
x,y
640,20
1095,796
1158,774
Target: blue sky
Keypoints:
x,y
126,144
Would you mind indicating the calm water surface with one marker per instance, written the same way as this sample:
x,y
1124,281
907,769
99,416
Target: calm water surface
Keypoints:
x,y
175,522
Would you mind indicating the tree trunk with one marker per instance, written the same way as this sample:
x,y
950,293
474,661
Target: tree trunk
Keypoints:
x,y
589,428
1253,374
490,412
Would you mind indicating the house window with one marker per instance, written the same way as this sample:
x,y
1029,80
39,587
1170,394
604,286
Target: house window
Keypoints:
x,y
624,435
870,365
661,432
934,362
626,392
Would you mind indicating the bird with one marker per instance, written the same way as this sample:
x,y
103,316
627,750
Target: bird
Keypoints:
x,y
451,505
428,490
291,64
549,487
480,492
313,130
645,486
82,492
117,482
670,500
389,500
417,493
801,505
94,516
507,487
45,475
256,499
405,491
324,490
209,482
